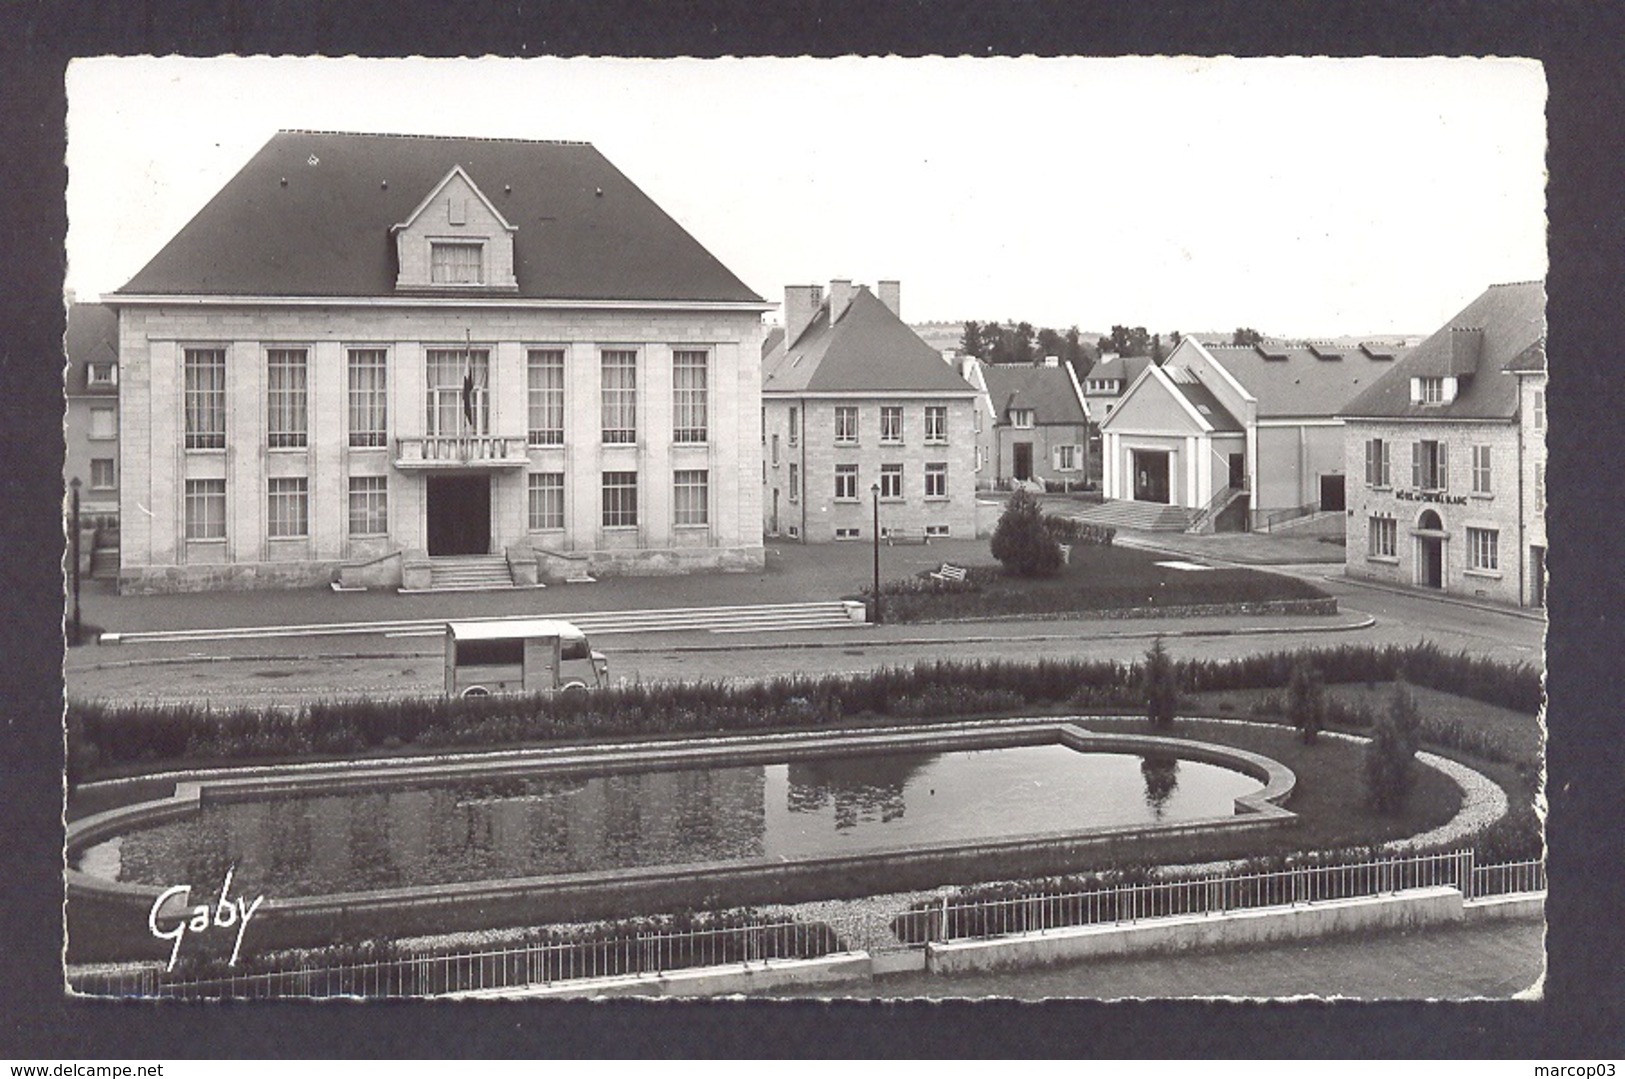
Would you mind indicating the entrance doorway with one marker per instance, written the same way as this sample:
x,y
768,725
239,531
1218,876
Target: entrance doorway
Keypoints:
x,y
1023,460
1430,552
459,515
1537,576
1331,493
1238,470
1151,476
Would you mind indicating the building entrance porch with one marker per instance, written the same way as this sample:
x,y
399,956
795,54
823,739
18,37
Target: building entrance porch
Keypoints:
x,y
1151,476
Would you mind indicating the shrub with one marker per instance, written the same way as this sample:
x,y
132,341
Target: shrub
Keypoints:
x,y
1159,686
1390,758
1078,533
1306,699
1021,542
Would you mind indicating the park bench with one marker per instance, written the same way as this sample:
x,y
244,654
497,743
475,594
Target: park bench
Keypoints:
x,y
948,572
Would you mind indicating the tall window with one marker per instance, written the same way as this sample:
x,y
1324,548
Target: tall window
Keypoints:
x,y
620,499
936,479
546,501
1482,553
1384,537
1540,488
795,482
891,481
546,380
891,423
1481,470
205,509
691,496
775,455
620,384
458,382
846,425
690,382
456,264
103,423
1539,417
1430,466
1066,458
287,508
103,474
369,505
936,424
285,418
1377,471
846,483
204,375
369,397
795,425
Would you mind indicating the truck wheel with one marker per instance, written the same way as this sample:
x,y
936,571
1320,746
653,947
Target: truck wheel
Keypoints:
x,y
476,691
573,687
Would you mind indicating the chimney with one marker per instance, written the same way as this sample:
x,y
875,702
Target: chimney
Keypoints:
x,y
1052,361
800,305
967,365
840,294
1466,346
891,294
950,356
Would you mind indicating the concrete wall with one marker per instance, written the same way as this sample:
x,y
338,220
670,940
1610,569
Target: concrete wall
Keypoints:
x,y
1187,933
1044,438
156,464
816,514
1505,508
1291,459
80,449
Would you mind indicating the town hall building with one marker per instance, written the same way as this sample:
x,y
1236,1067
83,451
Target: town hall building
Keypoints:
x,y
375,359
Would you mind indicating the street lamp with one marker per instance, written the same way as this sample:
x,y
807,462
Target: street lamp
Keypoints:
x,y
874,492
73,485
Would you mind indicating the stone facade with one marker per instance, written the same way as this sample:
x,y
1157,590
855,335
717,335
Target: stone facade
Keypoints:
x,y
808,509
1427,517
154,336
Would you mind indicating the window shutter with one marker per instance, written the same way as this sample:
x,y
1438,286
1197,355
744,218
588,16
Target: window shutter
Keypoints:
x,y
1055,457
1443,452
1370,462
1416,465
1416,391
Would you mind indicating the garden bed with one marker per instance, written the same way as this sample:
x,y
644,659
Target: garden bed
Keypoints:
x,y
1101,579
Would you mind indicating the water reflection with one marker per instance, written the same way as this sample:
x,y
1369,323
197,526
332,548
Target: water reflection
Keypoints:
x,y
857,789
1161,776
497,829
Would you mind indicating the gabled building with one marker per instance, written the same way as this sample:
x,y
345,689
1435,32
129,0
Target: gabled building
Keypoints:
x,y
858,411
1238,436
371,353
1039,429
1107,382
90,384
1447,457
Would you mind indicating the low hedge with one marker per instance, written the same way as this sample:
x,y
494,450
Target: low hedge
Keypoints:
x,y
105,736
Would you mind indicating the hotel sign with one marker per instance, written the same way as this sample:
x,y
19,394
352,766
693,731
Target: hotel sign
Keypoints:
x,y
1438,497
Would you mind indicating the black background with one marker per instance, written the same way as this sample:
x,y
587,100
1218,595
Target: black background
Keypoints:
x,y
1580,44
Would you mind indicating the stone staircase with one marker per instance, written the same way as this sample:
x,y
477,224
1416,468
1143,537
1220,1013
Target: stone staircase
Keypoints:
x,y
1139,516
469,573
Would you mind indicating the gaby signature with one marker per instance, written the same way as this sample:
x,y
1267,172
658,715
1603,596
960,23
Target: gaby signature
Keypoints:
x,y
226,914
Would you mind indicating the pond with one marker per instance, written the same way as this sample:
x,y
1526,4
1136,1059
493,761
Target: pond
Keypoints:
x,y
540,825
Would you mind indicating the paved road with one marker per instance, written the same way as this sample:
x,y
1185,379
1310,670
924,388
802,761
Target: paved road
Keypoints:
x,y
336,666
1495,961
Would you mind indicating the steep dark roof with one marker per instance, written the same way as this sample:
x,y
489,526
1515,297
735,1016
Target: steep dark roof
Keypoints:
x,y
1513,320
774,339
92,337
1046,390
1205,403
584,231
1300,380
1530,361
1127,368
868,350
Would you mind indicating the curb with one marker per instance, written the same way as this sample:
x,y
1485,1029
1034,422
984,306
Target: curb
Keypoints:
x,y
768,646
1526,613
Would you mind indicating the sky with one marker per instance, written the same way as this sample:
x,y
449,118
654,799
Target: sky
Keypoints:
x,y
1298,197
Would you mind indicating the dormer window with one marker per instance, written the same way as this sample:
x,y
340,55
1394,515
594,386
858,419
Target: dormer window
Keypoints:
x,y
103,374
459,263
1430,391
1021,417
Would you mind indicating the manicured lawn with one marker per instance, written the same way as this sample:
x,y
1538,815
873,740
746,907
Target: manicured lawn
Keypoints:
x,y
1098,578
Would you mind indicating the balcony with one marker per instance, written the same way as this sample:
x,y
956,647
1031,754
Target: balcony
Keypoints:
x,y
428,452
